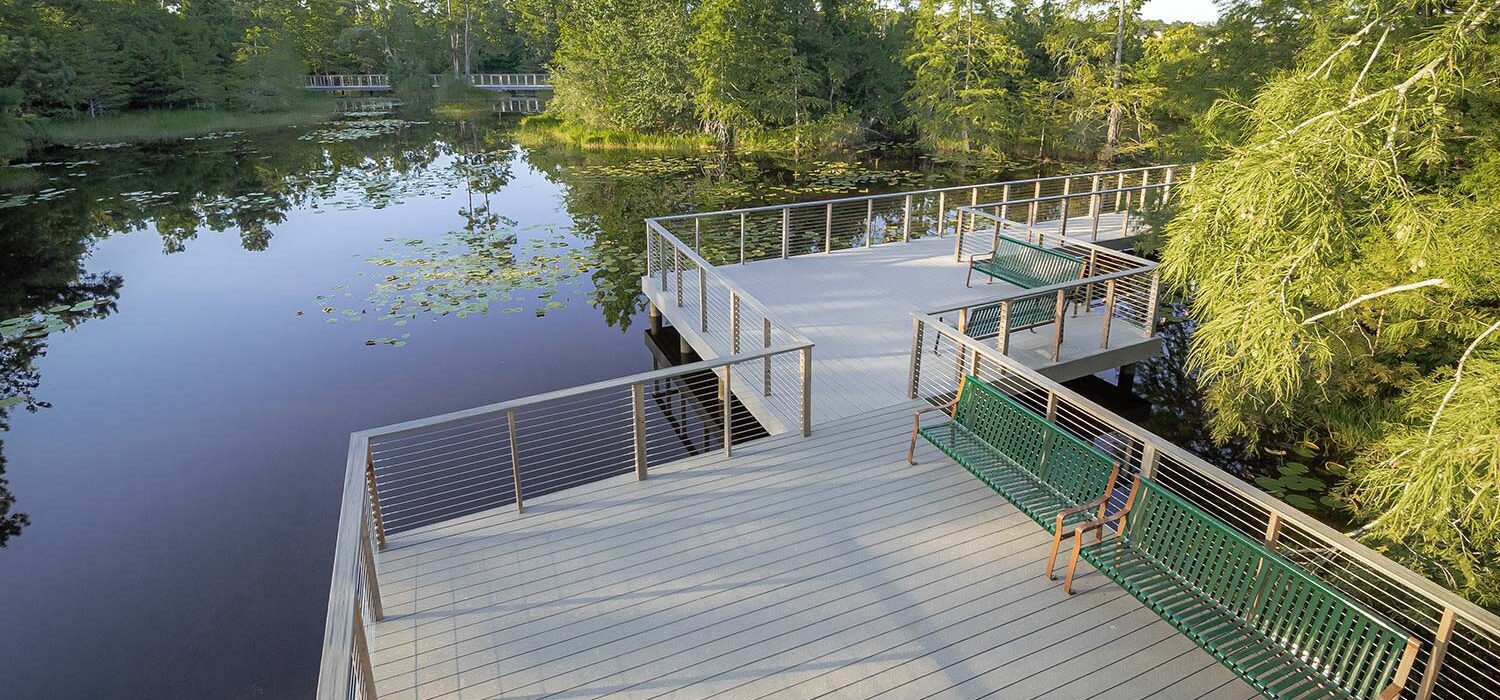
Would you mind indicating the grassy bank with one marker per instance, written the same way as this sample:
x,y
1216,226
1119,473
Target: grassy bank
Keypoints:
x,y
547,129
173,124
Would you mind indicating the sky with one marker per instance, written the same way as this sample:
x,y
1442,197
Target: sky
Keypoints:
x,y
1181,10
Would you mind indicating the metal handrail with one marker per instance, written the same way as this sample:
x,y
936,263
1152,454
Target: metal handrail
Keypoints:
x,y
887,195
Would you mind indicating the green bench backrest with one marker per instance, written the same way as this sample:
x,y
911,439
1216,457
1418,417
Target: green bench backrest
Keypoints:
x,y
1073,468
1033,265
1025,312
1355,648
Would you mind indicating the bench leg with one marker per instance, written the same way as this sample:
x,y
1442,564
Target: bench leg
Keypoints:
x,y
1052,557
969,278
911,452
1073,565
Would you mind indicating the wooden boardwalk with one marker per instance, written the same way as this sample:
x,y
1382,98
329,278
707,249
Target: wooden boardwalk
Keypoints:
x,y
856,305
824,567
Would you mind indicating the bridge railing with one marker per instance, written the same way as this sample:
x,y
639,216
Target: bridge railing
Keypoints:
x,y
508,80
361,81
1117,289
806,228
1460,657
430,478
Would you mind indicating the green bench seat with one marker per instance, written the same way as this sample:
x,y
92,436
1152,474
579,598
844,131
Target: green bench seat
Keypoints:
x,y
1026,265
1050,475
1283,630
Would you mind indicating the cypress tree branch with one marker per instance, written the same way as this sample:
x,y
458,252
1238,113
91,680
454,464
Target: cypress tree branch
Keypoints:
x,y
1458,376
1434,282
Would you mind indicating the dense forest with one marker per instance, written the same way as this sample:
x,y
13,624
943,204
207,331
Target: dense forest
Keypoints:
x,y
1028,80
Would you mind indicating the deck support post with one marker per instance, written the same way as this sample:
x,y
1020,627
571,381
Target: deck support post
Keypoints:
x,y
1119,189
765,337
1051,406
942,213
995,235
515,458
742,238
828,229
1439,653
1148,460
1273,530
1166,192
1031,209
698,236
807,391
702,299
734,322
1153,296
916,350
366,671
374,497
638,422
786,230
724,399
869,222
906,220
1145,188
367,562
1057,315
1109,313
1095,205
677,272
1062,231
1002,341
1004,206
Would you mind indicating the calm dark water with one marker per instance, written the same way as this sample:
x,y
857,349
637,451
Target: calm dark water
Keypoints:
x,y
225,311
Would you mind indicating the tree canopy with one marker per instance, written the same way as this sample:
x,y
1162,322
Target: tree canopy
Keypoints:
x,y
1342,254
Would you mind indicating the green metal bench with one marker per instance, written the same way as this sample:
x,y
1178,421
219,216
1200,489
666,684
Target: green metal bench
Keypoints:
x,y
983,321
1050,475
1026,265
1286,632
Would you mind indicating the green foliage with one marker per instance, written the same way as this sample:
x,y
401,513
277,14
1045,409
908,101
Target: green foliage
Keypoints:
x,y
1342,257
622,64
966,73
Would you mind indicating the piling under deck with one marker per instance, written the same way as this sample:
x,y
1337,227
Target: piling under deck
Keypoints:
x,y
824,567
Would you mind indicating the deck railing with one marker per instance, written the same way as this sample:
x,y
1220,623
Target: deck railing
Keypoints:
x,y
1460,658
426,476
1120,287
804,228
728,320
382,81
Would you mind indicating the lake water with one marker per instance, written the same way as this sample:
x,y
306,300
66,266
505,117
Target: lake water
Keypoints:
x,y
204,323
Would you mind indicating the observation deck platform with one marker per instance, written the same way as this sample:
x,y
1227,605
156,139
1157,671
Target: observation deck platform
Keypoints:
x,y
802,568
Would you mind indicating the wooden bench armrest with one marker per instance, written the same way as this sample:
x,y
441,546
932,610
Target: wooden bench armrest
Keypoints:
x,y
1099,523
916,426
1403,670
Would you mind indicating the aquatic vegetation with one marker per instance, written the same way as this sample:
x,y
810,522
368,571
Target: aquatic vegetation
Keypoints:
x,y
354,130
465,273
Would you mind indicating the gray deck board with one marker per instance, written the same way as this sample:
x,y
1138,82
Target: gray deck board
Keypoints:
x,y
801,568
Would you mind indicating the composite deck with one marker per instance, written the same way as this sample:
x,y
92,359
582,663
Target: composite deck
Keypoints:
x,y
802,568
856,306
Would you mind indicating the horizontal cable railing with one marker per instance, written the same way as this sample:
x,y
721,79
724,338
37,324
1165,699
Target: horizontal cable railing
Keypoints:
x,y
431,475
738,236
1460,657
1114,288
725,319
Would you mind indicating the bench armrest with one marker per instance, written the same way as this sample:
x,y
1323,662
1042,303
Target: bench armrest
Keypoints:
x,y
916,426
1099,523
